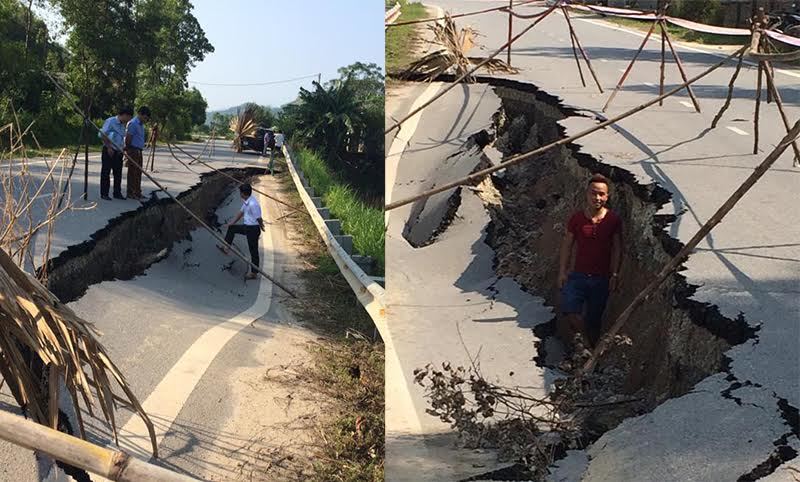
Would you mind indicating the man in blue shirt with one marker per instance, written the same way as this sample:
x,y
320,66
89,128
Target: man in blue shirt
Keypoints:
x,y
134,143
113,142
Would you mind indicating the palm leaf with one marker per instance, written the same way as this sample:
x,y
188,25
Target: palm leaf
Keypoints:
x,y
452,55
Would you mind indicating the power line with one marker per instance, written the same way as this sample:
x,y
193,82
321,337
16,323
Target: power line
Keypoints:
x,y
256,83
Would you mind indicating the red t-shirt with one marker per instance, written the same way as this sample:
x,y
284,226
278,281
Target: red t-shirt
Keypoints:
x,y
594,241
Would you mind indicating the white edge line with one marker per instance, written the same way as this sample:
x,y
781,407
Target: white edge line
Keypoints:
x,y
165,402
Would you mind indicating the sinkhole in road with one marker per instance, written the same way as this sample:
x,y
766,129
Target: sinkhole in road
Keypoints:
x,y
675,341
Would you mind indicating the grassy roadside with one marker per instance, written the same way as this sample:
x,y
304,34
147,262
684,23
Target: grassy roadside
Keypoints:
x,y
347,369
681,34
363,222
400,40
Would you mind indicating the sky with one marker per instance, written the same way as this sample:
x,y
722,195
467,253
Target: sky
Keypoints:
x,y
259,41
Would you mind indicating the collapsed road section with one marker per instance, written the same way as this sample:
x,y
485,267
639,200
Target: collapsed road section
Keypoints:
x,y
136,239
677,341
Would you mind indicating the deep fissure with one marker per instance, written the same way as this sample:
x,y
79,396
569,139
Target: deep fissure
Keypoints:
x,y
676,341
134,240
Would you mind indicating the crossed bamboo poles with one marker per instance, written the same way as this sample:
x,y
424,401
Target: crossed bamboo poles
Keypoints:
x,y
661,22
762,49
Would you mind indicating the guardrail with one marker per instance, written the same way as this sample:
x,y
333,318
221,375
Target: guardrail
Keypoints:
x,y
392,14
369,293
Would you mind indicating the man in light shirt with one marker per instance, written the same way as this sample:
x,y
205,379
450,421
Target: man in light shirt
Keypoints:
x,y
113,142
134,143
251,228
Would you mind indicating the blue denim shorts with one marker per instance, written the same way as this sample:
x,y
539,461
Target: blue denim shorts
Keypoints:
x,y
585,291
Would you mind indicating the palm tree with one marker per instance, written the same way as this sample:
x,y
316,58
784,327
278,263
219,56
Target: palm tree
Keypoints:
x,y
328,119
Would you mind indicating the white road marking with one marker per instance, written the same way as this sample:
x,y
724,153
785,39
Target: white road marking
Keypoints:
x,y
737,130
404,135
680,44
604,60
561,39
622,70
168,398
649,84
686,104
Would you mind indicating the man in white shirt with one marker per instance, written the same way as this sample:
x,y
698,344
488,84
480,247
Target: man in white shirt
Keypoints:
x,y
251,228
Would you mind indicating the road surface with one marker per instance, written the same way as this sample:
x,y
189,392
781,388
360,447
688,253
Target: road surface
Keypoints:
x,y
749,264
193,339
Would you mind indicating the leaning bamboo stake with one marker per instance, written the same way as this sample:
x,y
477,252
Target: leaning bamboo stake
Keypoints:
x,y
779,103
663,61
730,91
675,262
111,464
630,66
457,15
582,51
680,65
471,71
574,50
759,76
525,155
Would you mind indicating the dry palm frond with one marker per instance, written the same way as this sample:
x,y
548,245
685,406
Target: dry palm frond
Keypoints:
x,y
43,343
243,125
452,56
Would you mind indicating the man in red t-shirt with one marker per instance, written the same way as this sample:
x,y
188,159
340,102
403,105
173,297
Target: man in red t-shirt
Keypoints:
x,y
596,232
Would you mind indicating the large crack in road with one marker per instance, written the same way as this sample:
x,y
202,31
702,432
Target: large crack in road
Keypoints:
x,y
676,341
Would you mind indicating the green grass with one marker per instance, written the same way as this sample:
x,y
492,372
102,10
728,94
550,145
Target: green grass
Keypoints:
x,y
681,34
400,40
359,220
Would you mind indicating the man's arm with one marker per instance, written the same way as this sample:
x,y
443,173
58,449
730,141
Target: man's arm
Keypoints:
x,y
236,219
616,260
106,138
564,255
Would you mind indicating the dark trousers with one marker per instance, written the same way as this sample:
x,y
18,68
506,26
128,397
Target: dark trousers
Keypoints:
x,y
252,233
111,163
134,186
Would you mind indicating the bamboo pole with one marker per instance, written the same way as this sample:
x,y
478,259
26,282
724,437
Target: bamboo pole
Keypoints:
x,y
525,155
111,464
630,66
238,182
730,91
457,15
197,218
510,28
663,61
675,262
469,72
680,65
759,75
582,50
779,102
575,53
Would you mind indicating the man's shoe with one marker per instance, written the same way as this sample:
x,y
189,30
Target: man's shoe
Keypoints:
x,y
119,196
105,197
250,275
224,250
